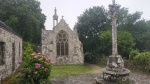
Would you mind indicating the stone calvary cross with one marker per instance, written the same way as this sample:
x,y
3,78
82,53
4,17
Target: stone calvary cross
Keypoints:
x,y
115,60
115,64
114,29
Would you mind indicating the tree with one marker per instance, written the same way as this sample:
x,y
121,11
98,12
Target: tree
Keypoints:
x,y
90,23
24,17
141,35
125,43
105,43
97,19
147,46
137,27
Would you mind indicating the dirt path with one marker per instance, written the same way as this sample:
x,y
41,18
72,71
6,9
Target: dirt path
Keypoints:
x,y
140,78
95,69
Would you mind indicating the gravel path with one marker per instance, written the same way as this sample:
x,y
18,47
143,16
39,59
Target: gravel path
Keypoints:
x,y
140,78
82,79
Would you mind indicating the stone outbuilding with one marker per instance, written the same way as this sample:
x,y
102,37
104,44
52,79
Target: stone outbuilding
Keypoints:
x,y
62,44
10,50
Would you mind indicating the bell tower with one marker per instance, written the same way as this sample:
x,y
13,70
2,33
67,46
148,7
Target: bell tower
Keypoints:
x,y
55,18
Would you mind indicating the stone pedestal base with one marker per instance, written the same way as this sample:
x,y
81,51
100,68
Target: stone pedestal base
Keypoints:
x,y
115,69
110,75
115,62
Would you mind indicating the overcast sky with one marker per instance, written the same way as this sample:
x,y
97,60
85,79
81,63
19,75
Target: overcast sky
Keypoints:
x,y
71,9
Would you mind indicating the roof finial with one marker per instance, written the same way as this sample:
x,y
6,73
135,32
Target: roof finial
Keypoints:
x,y
55,10
55,17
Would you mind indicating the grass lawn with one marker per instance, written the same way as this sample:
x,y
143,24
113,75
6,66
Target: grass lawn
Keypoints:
x,y
70,70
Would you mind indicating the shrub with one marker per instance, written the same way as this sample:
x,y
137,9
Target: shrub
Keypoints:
x,y
133,53
91,57
27,48
34,69
142,61
103,60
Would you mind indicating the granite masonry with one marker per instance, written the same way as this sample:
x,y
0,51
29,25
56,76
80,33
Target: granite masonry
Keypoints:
x,y
62,44
10,50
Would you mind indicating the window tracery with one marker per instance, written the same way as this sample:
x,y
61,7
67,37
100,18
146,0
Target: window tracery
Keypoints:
x,y
62,43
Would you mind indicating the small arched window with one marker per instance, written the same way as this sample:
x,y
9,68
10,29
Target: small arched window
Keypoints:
x,y
62,43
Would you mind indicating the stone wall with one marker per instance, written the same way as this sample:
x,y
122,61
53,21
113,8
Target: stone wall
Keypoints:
x,y
75,55
13,50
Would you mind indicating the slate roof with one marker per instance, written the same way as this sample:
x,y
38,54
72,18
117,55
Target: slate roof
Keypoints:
x,y
5,27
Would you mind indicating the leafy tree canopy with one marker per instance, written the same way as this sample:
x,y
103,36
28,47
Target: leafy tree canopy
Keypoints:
x,y
97,19
125,43
90,23
24,17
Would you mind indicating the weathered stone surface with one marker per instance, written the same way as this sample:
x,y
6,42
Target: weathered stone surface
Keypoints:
x,y
49,45
11,54
115,65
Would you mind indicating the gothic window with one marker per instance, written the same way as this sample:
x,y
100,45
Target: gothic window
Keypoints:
x,y
62,43
2,52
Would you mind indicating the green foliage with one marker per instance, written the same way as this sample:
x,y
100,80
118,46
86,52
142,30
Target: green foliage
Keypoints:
x,y
34,69
27,48
90,23
91,57
125,43
15,80
70,70
24,17
105,39
133,53
97,19
88,56
141,35
142,61
140,29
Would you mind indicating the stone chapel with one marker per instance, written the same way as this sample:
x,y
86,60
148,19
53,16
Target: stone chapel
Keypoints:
x,y
62,44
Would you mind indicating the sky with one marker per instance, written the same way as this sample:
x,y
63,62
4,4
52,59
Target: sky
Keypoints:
x,y
71,9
